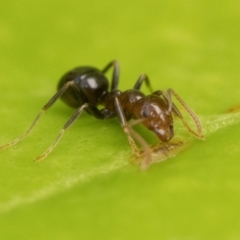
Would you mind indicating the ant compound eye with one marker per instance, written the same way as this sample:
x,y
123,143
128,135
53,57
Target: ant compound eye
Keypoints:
x,y
149,112
145,114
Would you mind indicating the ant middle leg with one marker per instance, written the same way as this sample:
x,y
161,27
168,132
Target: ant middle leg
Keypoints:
x,y
115,75
143,78
71,120
44,108
86,106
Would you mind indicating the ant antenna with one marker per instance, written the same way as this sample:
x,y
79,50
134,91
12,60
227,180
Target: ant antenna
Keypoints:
x,y
190,112
146,149
172,107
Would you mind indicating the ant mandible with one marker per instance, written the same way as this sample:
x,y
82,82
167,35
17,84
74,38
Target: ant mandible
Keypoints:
x,y
85,88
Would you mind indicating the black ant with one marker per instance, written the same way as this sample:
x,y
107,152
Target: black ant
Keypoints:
x,y
84,88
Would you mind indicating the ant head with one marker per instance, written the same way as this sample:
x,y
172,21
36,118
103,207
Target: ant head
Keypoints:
x,y
156,116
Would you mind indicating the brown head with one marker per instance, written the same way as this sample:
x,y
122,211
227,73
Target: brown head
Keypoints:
x,y
156,116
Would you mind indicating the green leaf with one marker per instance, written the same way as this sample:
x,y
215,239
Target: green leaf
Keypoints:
x,y
86,188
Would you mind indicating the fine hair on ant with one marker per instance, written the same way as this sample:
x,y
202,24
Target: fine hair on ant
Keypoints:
x,y
85,88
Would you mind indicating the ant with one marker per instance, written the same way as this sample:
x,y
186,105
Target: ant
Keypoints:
x,y
85,88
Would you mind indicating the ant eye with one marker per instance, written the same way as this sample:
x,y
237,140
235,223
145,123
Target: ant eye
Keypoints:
x,y
145,114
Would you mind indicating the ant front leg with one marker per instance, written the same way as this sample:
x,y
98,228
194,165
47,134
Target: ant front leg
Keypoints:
x,y
115,75
141,79
130,132
44,108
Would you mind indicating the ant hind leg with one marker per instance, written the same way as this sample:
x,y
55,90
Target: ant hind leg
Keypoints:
x,y
44,108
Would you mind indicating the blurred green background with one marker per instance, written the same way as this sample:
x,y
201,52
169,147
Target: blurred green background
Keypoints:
x,y
86,189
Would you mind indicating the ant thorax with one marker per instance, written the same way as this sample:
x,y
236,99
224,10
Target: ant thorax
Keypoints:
x,y
128,100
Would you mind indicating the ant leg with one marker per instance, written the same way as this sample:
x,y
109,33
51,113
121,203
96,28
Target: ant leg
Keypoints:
x,y
73,118
174,109
115,75
45,107
141,79
130,132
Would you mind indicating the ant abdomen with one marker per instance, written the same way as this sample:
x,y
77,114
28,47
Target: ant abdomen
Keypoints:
x,y
90,86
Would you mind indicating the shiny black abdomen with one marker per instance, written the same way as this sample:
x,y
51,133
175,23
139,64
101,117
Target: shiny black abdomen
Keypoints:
x,y
91,85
